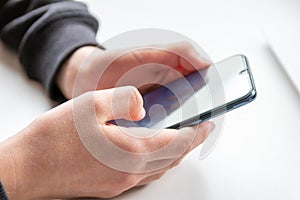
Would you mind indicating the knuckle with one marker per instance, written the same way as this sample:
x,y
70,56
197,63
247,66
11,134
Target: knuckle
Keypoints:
x,y
97,102
131,88
101,101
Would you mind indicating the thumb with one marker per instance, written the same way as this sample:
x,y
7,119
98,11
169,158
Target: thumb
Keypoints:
x,y
123,102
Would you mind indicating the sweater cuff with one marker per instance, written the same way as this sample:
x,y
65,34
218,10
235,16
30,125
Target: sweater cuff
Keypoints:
x,y
3,195
47,49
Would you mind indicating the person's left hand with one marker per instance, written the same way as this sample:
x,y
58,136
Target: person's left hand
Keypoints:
x,y
90,68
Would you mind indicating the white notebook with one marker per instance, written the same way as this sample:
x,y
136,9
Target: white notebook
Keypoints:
x,y
284,40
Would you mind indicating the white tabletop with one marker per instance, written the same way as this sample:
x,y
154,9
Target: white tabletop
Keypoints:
x,y
258,155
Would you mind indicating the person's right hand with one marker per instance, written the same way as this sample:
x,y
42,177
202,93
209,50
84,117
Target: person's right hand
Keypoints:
x,y
49,160
90,68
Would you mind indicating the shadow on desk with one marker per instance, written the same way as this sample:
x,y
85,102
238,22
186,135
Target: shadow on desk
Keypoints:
x,y
125,195
9,58
187,181
281,68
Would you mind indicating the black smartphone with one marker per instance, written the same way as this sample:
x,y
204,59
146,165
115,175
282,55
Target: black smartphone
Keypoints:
x,y
199,96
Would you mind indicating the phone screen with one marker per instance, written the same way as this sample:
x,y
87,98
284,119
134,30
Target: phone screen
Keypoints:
x,y
186,100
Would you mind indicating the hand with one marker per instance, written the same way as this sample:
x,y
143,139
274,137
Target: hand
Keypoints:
x,y
97,69
49,160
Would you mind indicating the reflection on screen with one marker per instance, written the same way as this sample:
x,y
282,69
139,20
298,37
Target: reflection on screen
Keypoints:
x,y
193,94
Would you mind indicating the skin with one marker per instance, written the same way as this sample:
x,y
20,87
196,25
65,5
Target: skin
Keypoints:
x,y
89,63
47,159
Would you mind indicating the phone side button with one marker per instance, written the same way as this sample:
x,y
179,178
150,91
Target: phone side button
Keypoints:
x,y
240,104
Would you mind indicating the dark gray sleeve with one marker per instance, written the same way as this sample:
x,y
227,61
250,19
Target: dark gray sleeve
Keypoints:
x,y
44,33
2,193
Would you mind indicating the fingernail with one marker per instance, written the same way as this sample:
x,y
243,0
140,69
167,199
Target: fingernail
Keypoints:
x,y
142,113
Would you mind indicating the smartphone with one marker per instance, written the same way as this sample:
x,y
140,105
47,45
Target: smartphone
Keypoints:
x,y
199,96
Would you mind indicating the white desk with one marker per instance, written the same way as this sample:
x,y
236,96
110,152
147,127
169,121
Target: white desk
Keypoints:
x,y
258,156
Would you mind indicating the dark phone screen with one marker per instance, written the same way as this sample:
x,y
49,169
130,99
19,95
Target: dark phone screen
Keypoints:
x,y
194,94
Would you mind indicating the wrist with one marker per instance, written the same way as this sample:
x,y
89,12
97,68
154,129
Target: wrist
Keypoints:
x,y
12,173
67,73
7,172
19,170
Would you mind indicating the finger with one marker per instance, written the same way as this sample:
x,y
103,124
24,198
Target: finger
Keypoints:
x,y
156,151
173,142
132,153
200,133
123,102
206,128
178,141
121,62
181,55
189,59
139,139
